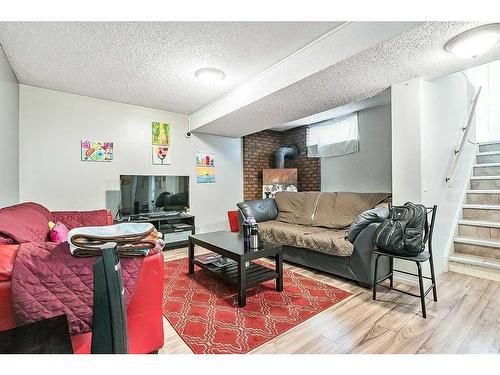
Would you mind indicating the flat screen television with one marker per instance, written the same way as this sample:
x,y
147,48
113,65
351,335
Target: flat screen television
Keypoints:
x,y
150,194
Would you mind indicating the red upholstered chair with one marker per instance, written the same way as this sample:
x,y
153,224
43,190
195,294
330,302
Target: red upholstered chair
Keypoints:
x,y
7,256
144,312
233,221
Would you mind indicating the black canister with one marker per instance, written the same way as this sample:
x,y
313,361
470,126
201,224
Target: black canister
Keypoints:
x,y
254,236
246,234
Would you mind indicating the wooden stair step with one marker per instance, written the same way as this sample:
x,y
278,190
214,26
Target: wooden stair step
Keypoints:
x,y
475,260
486,169
491,191
490,197
478,241
486,165
489,146
488,157
476,228
488,153
482,212
480,223
485,177
486,182
482,206
474,265
479,246
485,143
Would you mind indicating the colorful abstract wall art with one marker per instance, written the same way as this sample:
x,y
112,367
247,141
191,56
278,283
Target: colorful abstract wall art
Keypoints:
x,y
205,159
160,134
205,167
96,151
161,155
205,175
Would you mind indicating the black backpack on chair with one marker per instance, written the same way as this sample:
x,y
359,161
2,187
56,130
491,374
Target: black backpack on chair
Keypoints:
x,y
405,231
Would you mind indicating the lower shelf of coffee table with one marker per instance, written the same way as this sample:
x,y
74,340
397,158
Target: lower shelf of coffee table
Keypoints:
x,y
255,273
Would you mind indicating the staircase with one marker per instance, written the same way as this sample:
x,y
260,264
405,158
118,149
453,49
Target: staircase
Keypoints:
x,y
477,246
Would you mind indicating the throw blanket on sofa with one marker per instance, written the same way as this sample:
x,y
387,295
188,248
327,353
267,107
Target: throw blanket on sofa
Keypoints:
x,y
48,281
132,239
323,240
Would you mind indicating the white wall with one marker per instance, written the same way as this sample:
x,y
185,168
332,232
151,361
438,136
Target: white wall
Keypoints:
x,y
53,123
488,107
445,103
368,170
9,134
406,141
426,121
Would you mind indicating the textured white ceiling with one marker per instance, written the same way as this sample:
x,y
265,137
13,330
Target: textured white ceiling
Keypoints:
x,y
149,63
341,43
417,52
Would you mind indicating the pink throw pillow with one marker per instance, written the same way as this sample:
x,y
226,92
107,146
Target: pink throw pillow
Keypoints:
x,y
24,223
59,233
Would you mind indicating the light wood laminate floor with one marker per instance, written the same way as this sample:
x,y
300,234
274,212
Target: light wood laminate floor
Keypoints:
x,y
466,319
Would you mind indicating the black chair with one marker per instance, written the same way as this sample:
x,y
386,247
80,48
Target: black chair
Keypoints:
x,y
418,259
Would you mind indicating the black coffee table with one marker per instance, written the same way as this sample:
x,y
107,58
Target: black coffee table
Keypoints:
x,y
230,245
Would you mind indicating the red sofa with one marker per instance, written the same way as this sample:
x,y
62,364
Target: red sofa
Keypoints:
x,y
144,313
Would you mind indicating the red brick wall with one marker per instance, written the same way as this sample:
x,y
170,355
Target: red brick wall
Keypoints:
x,y
308,169
258,154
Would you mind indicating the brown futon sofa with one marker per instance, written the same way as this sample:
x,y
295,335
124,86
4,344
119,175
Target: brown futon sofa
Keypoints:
x,y
312,228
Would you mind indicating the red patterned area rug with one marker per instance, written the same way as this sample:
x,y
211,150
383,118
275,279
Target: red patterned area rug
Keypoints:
x,y
205,313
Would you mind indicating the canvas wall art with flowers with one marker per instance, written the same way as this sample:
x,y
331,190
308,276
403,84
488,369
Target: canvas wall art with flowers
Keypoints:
x,y
161,155
96,150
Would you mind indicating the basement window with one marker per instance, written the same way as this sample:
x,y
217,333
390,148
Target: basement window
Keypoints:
x,y
334,137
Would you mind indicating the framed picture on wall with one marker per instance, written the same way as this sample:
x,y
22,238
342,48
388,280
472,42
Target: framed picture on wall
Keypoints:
x,y
161,155
205,175
205,159
205,167
96,150
160,132
276,180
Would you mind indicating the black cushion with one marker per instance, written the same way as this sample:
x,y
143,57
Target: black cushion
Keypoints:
x,y
260,209
48,336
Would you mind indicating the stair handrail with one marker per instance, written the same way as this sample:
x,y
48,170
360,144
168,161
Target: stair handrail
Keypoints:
x,y
457,151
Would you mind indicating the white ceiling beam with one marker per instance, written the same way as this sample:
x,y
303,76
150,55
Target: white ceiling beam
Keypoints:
x,y
346,40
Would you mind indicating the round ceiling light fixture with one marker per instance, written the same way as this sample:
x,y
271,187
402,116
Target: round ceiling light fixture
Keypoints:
x,y
209,76
474,42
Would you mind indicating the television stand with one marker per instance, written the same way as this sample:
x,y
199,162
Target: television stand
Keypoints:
x,y
164,213
176,229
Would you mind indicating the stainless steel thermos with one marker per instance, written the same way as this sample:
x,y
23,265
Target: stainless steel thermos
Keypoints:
x,y
254,236
250,233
